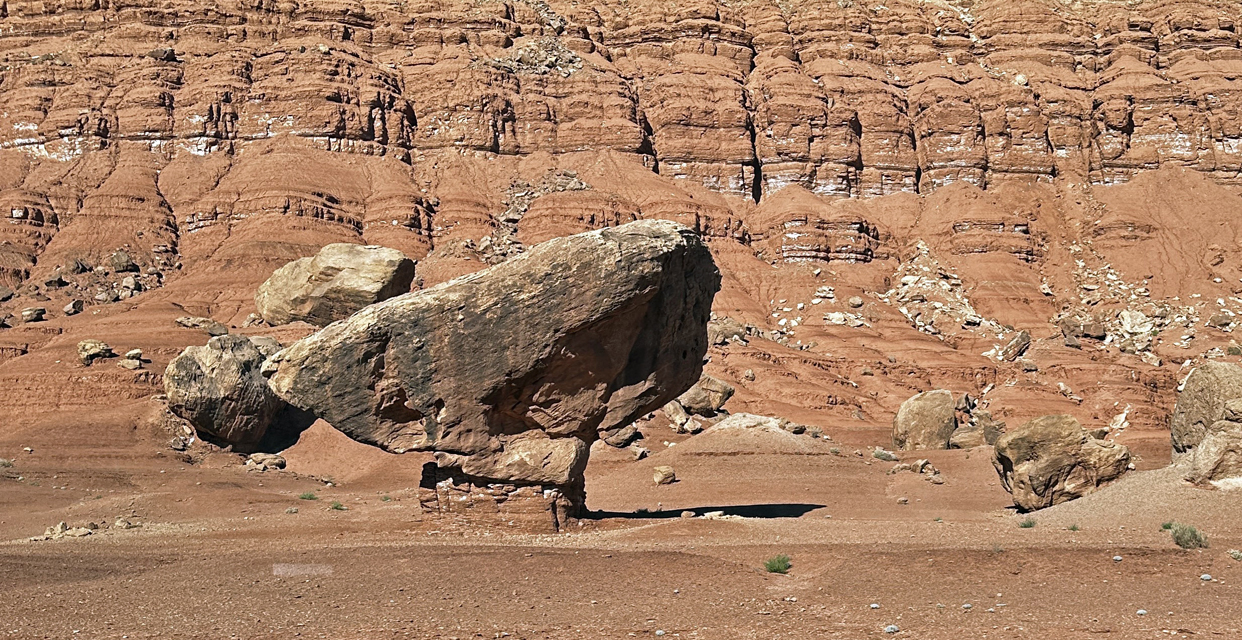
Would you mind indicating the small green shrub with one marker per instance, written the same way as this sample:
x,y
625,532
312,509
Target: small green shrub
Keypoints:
x,y
336,506
1028,523
1235,554
1166,526
1073,527
5,464
777,564
1188,537
385,498
309,495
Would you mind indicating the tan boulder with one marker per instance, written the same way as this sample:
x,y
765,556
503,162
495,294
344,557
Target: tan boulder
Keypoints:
x,y
925,421
1052,459
333,284
91,350
707,396
1201,402
664,475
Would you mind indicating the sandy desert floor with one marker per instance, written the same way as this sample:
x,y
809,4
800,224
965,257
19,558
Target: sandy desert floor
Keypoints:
x,y
219,555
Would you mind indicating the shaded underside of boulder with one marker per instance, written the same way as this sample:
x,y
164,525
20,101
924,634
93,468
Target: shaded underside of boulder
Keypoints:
x,y
1201,402
925,421
334,283
219,389
511,372
1052,459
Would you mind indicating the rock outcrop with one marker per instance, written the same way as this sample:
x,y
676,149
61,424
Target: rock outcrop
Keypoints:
x,y
508,374
220,390
925,421
1052,459
1201,402
334,283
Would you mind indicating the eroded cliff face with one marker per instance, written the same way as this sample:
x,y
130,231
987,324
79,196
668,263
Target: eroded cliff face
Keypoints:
x,y
968,169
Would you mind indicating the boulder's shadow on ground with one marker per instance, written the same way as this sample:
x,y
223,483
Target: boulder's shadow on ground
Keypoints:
x,y
784,510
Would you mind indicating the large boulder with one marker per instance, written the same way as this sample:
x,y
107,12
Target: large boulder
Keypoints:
x,y
1052,459
925,421
1218,455
220,390
508,374
706,397
334,283
1201,402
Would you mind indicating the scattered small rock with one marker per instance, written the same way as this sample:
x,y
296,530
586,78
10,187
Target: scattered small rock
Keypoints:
x,y
265,461
91,350
664,475
121,262
212,327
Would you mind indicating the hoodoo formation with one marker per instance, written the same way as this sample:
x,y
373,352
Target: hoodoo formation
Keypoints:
x,y
715,290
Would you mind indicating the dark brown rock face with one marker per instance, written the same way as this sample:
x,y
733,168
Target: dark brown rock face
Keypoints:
x,y
218,389
510,373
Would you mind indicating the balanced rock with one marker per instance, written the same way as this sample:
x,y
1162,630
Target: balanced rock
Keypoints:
x,y
508,374
219,389
1201,402
1052,459
925,421
706,397
334,283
